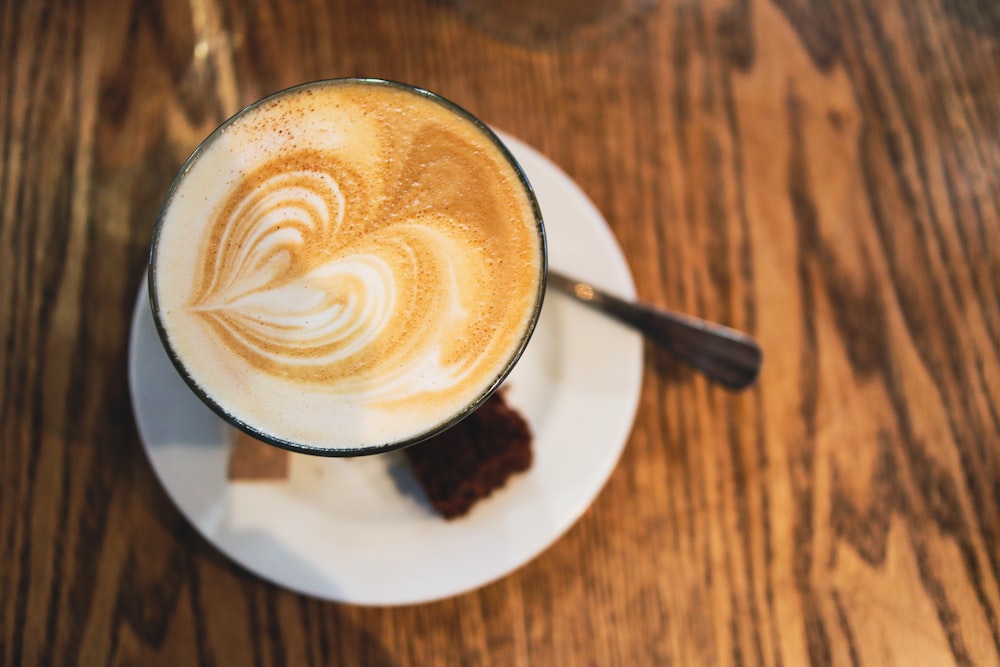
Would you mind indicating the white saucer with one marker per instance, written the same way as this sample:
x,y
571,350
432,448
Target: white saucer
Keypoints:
x,y
359,530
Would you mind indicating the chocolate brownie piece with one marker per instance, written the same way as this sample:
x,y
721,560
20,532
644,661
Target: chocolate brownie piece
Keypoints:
x,y
472,459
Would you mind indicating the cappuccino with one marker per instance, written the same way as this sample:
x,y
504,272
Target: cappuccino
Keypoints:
x,y
347,266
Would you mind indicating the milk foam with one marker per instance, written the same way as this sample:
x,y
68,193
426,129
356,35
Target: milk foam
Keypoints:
x,y
347,265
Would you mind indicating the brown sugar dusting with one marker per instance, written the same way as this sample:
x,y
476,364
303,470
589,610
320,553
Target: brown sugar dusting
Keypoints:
x,y
474,458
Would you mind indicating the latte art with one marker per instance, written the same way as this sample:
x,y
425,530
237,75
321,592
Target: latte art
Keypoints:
x,y
346,266
285,288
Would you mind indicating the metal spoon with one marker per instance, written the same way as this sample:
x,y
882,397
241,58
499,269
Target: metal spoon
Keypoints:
x,y
725,355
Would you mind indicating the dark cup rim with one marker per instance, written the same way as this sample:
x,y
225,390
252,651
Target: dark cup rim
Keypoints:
x,y
386,446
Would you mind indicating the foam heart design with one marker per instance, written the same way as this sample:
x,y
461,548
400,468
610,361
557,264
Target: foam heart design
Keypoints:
x,y
312,274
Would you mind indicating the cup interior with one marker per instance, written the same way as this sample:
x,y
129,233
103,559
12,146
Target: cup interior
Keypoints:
x,y
333,449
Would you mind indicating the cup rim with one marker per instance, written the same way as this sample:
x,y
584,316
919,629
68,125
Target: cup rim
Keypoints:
x,y
380,448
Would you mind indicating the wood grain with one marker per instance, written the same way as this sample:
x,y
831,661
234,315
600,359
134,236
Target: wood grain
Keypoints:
x,y
825,175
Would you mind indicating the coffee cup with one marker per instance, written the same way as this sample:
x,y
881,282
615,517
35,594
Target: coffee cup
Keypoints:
x,y
347,267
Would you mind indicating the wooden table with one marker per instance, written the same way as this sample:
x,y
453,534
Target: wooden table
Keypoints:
x,y
825,175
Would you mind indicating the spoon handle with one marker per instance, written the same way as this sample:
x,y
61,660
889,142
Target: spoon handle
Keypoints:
x,y
725,355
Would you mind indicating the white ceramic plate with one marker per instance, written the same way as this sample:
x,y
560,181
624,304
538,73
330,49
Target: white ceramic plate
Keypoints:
x,y
359,530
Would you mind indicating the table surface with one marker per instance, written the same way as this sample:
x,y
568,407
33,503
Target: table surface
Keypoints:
x,y
824,175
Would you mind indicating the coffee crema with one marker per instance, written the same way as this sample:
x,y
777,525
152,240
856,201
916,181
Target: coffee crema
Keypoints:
x,y
347,265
